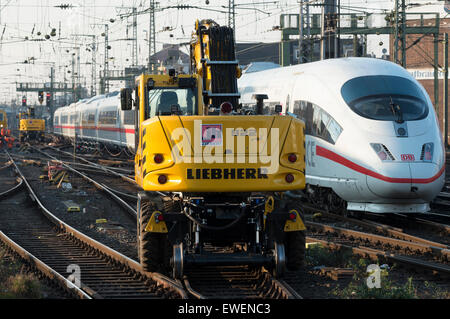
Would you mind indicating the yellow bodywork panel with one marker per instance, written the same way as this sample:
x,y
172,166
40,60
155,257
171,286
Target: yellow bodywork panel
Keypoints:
x,y
3,119
32,125
156,226
294,225
221,153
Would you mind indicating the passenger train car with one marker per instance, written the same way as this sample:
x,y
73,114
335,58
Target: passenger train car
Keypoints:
x,y
372,137
97,121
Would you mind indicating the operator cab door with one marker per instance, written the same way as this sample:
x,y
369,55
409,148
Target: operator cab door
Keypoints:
x,y
141,92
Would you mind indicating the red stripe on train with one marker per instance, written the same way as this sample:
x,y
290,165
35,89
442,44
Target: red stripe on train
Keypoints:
x,y
96,128
323,152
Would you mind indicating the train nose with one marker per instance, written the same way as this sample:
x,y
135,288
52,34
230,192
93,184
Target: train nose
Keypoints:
x,y
427,179
407,181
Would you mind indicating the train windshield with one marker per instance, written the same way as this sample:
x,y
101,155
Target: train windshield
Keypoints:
x,y
162,101
385,98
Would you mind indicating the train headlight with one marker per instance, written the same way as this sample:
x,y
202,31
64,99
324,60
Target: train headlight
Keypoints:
x,y
427,152
382,152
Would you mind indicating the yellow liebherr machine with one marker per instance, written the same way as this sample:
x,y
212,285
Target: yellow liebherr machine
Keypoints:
x,y
211,176
31,128
3,120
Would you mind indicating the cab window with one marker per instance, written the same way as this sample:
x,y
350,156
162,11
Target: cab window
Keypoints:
x,y
385,98
161,100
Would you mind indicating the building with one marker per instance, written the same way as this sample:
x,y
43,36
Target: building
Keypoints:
x,y
420,59
171,57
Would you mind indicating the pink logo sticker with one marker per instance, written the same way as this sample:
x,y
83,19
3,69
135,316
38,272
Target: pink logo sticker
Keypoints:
x,y
212,135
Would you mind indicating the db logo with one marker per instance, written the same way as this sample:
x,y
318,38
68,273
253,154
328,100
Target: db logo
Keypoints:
x,y
408,157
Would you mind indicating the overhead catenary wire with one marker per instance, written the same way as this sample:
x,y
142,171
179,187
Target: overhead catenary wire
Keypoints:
x,y
45,10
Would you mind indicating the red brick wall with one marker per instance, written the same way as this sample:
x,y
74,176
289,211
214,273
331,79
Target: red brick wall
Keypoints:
x,y
421,56
429,87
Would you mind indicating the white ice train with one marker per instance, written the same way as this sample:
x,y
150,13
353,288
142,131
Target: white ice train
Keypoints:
x,y
97,121
372,137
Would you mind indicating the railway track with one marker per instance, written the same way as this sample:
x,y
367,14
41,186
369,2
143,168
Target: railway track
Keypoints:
x,y
418,255
53,247
237,282
106,189
378,241
381,229
122,173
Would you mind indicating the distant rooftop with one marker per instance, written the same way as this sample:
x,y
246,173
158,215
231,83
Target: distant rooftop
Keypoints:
x,y
260,66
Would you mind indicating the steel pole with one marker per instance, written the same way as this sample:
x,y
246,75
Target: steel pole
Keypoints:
x,y
300,33
445,97
436,74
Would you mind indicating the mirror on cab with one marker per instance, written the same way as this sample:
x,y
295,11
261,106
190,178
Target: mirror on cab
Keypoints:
x,y
278,109
126,99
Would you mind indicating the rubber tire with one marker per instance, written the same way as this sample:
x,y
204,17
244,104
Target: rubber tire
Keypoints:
x,y
154,249
295,245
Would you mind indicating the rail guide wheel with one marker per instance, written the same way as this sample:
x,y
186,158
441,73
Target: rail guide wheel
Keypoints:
x,y
178,261
279,260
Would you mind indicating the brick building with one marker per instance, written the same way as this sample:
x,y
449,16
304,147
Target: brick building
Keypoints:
x,y
420,58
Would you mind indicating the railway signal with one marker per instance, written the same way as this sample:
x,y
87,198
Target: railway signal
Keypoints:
x,y
24,101
49,98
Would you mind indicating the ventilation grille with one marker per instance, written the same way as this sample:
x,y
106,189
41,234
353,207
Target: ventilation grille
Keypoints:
x,y
422,154
387,152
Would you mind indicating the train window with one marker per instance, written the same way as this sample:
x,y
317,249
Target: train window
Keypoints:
x,y
73,118
385,98
128,117
56,120
161,100
318,122
305,111
335,130
64,119
91,118
316,127
107,117
83,119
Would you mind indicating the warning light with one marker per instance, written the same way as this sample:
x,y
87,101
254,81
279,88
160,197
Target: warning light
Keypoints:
x,y
292,216
162,179
159,158
292,158
24,101
49,98
289,178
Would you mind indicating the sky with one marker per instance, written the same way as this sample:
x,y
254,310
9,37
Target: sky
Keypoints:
x,y
24,24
